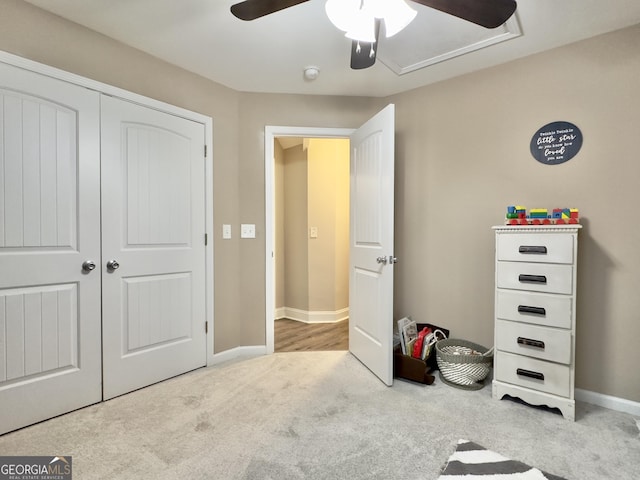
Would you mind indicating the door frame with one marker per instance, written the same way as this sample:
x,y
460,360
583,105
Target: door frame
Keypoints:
x,y
207,121
270,134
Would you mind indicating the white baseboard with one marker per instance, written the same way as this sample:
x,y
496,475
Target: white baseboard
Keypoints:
x,y
307,316
233,353
608,401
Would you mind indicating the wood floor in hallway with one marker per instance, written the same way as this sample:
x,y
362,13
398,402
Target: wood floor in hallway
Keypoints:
x,y
294,336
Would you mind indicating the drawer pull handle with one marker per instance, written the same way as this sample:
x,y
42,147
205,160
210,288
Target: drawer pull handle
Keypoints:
x,y
534,310
530,342
532,249
530,374
532,278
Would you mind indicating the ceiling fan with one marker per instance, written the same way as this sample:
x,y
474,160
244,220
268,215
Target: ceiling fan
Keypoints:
x,y
486,13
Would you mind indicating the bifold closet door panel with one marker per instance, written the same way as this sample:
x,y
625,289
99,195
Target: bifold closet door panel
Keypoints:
x,y
50,338
153,226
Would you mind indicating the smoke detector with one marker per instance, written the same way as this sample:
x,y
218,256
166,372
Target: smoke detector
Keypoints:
x,y
311,73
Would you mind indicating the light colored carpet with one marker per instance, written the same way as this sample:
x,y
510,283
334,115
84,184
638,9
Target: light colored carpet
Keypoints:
x,y
319,415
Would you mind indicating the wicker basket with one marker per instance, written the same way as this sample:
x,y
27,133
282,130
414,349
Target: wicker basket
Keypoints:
x,y
463,364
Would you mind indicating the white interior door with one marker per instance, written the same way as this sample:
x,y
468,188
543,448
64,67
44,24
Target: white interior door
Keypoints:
x,y
371,248
153,214
49,225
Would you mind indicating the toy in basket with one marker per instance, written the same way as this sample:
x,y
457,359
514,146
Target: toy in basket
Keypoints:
x,y
463,364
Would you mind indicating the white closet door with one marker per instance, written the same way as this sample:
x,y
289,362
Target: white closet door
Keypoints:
x,y
153,208
49,225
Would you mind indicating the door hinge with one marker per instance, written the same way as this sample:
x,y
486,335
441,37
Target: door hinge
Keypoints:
x,y
206,327
206,239
205,151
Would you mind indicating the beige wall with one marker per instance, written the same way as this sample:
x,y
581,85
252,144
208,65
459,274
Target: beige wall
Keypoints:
x,y
342,236
462,156
328,161
296,254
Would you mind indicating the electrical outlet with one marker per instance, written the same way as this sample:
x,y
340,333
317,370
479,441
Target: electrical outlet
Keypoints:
x,y
226,231
247,230
313,232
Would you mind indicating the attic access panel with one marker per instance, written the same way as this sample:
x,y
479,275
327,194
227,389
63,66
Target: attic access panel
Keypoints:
x,y
434,37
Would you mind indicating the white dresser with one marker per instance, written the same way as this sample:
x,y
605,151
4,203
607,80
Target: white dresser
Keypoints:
x,y
535,315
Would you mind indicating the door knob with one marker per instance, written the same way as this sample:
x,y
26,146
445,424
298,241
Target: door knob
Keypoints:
x,y
392,259
382,260
88,265
113,265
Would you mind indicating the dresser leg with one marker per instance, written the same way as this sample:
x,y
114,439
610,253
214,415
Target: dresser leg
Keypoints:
x,y
568,410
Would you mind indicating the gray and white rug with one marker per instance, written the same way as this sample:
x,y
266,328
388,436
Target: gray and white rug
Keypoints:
x,y
471,461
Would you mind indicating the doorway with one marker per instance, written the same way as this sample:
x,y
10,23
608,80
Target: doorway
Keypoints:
x,y
311,185
371,239
288,136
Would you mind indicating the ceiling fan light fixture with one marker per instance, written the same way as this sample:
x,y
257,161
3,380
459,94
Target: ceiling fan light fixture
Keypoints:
x,y
362,28
342,12
357,17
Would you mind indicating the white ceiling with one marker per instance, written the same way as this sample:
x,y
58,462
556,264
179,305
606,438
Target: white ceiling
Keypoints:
x,y
269,54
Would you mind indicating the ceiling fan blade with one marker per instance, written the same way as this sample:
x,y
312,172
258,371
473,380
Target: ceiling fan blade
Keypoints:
x,y
363,54
252,9
487,13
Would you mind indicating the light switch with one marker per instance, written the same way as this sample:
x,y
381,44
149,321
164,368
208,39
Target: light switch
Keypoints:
x,y
313,232
247,230
226,231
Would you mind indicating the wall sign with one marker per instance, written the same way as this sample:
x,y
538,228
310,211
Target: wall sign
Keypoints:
x,y
556,143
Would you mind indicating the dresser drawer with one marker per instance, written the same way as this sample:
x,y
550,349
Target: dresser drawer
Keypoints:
x,y
537,277
535,247
540,342
536,308
534,374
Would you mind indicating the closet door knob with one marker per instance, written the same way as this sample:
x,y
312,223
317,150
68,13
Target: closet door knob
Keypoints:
x,y
113,265
88,265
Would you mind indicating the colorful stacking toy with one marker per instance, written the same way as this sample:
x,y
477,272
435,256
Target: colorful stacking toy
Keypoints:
x,y
517,215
